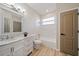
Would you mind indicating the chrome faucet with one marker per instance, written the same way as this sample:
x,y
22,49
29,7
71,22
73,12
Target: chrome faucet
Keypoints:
x,y
3,37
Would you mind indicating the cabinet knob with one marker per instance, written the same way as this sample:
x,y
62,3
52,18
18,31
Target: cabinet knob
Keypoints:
x,y
11,49
62,34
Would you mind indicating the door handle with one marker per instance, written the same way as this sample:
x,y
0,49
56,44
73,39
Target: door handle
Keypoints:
x,y
62,34
78,31
13,49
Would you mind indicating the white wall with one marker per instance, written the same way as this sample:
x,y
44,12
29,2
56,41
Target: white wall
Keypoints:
x,y
29,24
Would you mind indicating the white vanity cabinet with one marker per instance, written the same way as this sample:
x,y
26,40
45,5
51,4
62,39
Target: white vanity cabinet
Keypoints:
x,y
22,47
5,50
12,49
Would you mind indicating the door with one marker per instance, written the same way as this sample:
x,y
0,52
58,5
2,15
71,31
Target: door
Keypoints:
x,y
68,32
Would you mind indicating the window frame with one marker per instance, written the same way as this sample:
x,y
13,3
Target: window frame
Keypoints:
x,y
48,21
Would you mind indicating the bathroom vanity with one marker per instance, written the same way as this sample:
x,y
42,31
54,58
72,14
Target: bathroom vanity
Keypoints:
x,y
19,46
12,44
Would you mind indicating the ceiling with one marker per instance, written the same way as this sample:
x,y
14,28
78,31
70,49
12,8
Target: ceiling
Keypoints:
x,y
43,8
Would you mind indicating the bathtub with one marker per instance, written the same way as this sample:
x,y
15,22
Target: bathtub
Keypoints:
x,y
49,42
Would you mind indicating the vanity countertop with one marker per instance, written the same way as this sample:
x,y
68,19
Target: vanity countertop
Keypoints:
x,y
8,41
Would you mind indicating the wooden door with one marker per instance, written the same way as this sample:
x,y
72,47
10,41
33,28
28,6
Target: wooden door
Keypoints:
x,y
68,32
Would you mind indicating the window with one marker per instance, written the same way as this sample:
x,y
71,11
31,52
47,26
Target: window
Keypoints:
x,y
38,22
50,20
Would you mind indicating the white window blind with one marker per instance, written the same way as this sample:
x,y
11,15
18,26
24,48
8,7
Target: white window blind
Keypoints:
x,y
48,21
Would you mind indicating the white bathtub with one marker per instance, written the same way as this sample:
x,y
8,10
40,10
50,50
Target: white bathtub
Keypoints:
x,y
50,42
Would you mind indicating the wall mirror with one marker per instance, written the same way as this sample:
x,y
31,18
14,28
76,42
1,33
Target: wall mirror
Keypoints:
x,y
4,25
16,26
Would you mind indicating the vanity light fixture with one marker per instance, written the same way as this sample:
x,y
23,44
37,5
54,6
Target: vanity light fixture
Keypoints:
x,y
20,9
14,7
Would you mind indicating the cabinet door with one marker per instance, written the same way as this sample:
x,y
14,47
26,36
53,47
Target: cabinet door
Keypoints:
x,y
18,48
18,52
5,50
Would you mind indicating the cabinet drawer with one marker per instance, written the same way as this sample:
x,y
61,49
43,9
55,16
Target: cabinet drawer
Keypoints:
x,y
18,52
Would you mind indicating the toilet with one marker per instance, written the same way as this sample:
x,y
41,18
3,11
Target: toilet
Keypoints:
x,y
37,44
